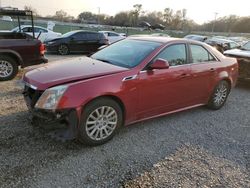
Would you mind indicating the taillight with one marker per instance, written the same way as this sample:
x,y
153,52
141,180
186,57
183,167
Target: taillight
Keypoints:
x,y
42,49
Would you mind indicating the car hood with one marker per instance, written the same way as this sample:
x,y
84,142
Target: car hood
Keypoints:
x,y
67,71
238,53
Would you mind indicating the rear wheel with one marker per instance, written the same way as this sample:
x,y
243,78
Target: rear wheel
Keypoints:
x,y
100,121
219,95
63,49
8,68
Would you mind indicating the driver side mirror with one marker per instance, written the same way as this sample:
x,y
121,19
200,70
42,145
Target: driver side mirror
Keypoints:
x,y
159,64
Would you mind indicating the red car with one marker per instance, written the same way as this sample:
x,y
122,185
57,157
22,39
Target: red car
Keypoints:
x,y
132,80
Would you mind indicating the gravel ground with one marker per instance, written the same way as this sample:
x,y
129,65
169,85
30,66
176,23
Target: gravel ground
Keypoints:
x,y
192,167
30,158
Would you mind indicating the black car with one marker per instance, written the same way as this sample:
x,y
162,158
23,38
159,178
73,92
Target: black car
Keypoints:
x,y
196,37
222,44
77,42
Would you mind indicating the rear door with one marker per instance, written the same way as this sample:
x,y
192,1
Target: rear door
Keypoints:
x,y
77,42
203,71
92,41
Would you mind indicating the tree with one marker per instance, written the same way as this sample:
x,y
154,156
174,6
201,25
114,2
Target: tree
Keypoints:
x,y
136,13
30,8
168,16
62,16
87,16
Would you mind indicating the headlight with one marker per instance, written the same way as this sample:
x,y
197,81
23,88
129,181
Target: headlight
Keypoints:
x,y
51,97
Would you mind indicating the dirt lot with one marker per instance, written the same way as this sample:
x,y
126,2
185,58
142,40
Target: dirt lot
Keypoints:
x,y
195,148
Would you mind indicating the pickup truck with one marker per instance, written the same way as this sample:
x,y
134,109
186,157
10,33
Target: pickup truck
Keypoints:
x,y
243,57
18,50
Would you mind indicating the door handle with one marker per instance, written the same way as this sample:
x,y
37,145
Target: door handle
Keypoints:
x,y
184,75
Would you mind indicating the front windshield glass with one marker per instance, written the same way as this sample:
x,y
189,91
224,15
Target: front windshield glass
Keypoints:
x,y
246,46
16,29
127,53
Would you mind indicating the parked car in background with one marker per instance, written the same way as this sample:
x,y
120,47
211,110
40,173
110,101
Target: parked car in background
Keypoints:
x,y
77,42
222,44
243,56
129,81
160,35
6,18
43,33
158,27
18,49
113,36
196,37
239,40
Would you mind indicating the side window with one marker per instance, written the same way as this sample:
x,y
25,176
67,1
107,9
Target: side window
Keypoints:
x,y
92,36
233,45
174,54
38,30
113,35
80,36
200,54
27,29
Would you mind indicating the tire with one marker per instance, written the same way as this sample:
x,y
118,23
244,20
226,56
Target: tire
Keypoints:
x,y
95,129
8,68
219,95
63,49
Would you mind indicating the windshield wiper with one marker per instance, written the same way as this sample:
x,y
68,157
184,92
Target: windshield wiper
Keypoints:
x,y
112,63
105,60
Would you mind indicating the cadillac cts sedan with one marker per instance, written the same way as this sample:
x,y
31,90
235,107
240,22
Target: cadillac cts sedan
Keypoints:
x,y
130,81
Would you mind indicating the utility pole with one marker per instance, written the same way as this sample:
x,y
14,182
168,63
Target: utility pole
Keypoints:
x,y
99,11
215,16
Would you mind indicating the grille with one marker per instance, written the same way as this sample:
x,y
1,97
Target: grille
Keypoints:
x,y
31,96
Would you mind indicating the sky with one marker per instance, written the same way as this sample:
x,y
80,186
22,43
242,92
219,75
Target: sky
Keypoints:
x,y
199,10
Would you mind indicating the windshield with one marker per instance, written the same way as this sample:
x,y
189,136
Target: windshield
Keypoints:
x,y
127,53
16,29
246,46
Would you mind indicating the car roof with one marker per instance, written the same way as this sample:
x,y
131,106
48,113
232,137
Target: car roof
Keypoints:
x,y
108,32
84,31
31,26
160,39
221,40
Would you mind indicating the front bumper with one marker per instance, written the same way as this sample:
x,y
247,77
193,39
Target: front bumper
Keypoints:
x,y
63,123
51,48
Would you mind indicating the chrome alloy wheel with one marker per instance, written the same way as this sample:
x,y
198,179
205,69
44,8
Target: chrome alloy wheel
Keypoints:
x,y
101,123
220,94
6,69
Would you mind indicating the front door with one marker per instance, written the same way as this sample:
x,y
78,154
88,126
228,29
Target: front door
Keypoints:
x,y
166,90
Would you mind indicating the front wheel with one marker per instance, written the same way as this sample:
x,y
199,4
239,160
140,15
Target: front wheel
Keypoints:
x,y
100,121
219,95
8,68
